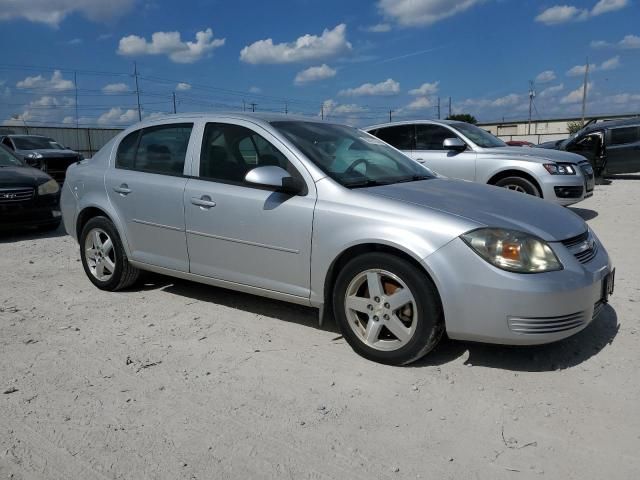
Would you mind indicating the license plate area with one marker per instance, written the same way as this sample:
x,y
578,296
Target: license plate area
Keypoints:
x,y
608,285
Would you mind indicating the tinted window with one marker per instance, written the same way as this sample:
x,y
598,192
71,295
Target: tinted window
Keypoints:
x,y
36,143
7,143
620,136
160,149
229,152
7,159
480,137
400,136
432,137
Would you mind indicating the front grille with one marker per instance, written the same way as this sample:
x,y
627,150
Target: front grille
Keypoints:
x,y
569,192
12,195
583,247
543,325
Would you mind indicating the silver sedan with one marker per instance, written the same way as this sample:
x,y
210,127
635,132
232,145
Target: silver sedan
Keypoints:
x,y
460,150
329,216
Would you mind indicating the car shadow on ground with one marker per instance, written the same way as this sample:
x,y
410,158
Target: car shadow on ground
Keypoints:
x,y
556,356
25,234
585,213
634,176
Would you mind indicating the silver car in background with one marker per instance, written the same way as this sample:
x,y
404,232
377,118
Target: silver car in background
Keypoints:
x,y
461,150
331,217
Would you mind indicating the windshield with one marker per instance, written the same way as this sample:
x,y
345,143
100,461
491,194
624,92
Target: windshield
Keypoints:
x,y
350,156
8,159
36,143
480,137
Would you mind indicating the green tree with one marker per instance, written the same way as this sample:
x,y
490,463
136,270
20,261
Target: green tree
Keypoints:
x,y
463,117
573,127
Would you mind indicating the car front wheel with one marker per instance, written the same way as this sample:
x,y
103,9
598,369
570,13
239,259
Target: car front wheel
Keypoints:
x,y
519,184
388,310
103,257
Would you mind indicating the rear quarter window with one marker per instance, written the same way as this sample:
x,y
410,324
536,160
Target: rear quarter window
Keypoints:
x,y
621,136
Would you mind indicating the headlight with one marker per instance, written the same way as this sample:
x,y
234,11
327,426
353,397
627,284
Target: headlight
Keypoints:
x,y
49,188
513,251
34,155
560,169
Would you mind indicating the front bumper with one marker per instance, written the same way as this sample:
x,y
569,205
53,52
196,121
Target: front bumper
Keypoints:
x,y
484,303
564,189
41,211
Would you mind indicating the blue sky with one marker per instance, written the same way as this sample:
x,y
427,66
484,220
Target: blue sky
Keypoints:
x,y
359,59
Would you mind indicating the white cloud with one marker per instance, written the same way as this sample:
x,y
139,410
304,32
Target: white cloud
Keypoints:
x,y
305,48
630,41
255,90
171,45
331,107
118,116
378,28
75,41
420,103
116,88
53,12
57,82
575,96
388,87
546,76
606,6
580,70
611,64
559,14
314,74
183,87
425,89
47,101
506,101
422,12
45,109
600,44
623,98
551,91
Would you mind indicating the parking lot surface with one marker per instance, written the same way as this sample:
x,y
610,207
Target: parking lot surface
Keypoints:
x,y
177,380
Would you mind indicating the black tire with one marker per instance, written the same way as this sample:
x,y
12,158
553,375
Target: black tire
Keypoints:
x,y
430,319
124,275
522,183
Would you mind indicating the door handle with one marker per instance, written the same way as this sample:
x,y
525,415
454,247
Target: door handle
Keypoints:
x,y
122,189
204,202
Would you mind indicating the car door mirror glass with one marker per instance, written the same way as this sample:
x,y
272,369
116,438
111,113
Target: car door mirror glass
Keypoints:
x,y
275,177
454,144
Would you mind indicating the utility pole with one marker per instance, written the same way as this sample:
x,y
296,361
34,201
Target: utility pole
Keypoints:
x,y
438,108
135,74
322,111
584,91
253,106
75,84
244,105
175,110
532,95
449,106
390,113
286,108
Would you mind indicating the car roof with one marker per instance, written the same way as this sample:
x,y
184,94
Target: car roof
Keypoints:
x,y
264,117
627,122
27,136
414,122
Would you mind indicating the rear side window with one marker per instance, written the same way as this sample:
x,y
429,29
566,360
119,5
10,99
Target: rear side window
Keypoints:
x,y
400,136
432,137
159,149
620,136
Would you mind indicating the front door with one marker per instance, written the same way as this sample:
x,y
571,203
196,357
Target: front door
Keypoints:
x,y
591,147
430,150
242,233
146,187
623,150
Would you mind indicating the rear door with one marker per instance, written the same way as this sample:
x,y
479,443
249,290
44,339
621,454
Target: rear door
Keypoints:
x,y
623,150
430,150
401,137
146,186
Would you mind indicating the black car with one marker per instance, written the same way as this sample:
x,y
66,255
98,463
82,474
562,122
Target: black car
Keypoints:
x,y
611,147
43,153
28,197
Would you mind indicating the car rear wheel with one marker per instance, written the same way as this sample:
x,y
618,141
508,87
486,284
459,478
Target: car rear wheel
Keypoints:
x,y
103,257
387,309
519,184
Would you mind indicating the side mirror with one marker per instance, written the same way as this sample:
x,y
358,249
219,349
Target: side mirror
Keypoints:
x,y
275,177
454,144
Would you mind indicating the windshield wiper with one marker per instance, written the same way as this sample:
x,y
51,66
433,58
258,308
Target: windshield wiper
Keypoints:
x,y
414,178
364,184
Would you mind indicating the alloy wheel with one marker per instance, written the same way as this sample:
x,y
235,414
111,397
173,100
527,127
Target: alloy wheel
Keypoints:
x,y
100,254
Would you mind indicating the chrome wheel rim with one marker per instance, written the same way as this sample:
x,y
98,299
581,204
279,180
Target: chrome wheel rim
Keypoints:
x,y
100,254
381,310
515,188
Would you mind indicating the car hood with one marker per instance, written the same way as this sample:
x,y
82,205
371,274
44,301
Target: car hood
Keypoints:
x,y
22,177
46,153
488,206
538,155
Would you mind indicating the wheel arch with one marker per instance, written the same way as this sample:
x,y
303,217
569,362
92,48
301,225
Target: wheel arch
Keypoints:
x,y
514,172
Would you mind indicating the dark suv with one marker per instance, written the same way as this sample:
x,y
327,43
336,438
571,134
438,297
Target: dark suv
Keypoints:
x,y
611,147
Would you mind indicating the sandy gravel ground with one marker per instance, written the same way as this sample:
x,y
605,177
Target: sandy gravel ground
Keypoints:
x,y
174,380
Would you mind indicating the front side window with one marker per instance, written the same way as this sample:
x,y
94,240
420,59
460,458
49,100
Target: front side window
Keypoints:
x,y
400,136
161,149
432,137
229,152
480,137
8,159
351,157
622,136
